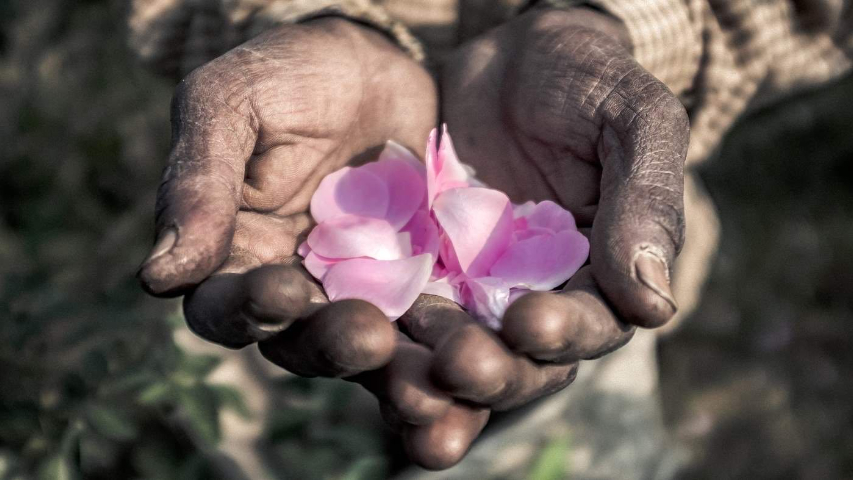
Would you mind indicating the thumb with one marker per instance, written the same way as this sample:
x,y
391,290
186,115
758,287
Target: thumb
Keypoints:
x,y
197,202
639,227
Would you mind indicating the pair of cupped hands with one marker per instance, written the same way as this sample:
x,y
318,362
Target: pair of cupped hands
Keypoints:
x,y
549,106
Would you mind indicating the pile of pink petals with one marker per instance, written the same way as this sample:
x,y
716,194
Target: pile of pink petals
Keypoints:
x,y
393,229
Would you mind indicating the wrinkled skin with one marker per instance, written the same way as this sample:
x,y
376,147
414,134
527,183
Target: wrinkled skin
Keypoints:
x,y
552,106
548,106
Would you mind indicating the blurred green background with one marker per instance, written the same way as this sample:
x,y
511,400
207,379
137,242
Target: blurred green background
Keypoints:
x,y
92,384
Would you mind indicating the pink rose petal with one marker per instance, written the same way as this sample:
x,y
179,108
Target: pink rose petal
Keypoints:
x,y
531,232
318,266
303,249
406,188
546,214
423,233
393,286
395,151
443,288
542,262
444,171
350,191
487,298
478,224
351,236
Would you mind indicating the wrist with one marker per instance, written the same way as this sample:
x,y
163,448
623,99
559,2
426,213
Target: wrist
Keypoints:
x,y
550,16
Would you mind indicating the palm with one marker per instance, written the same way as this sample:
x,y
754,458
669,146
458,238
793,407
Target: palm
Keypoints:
x,y
532,139
313,117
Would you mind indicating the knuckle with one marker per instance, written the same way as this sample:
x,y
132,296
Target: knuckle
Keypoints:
x,y
468,361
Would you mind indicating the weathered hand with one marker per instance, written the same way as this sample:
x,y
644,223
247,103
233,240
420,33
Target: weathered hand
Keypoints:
x,y
254,132
553,106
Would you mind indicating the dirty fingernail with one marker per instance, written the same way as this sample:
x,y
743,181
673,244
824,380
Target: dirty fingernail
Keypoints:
x,y
653,273
164,244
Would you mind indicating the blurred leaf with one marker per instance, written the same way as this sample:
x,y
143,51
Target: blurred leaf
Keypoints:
x,y
367,468
56,468
199,366
176,319
95,367
111,422
155,460
129,382
155,394
287,422
552,462
350,439
193,468
8,466
200,407
97,453
231,398
18,423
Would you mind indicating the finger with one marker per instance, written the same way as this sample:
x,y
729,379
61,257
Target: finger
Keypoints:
x,y
237,309
639,227
432,318
574,324
474,365
404,389
212,137
443,443
471,363
339,340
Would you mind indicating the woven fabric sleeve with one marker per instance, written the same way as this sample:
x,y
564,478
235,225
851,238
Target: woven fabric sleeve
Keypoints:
x,y
723,57
175,36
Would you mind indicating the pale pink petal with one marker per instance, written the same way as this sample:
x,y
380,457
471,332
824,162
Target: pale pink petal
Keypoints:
x,y
318,266
452,170
444,171
391,285
303,249
523,210
350,191
351,236
432,166
395,151
406,187
531,232
478,224
423,233
546,214
543,262
443,288
487,299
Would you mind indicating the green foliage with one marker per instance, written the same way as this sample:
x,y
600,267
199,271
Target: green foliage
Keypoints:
x,y
94,385
316,435
552,463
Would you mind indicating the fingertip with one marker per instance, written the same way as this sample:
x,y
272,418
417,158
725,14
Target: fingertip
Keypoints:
x,y
276,295
211,312
538,324
473,365
357,334
443,444
181,259
341,339
643,296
